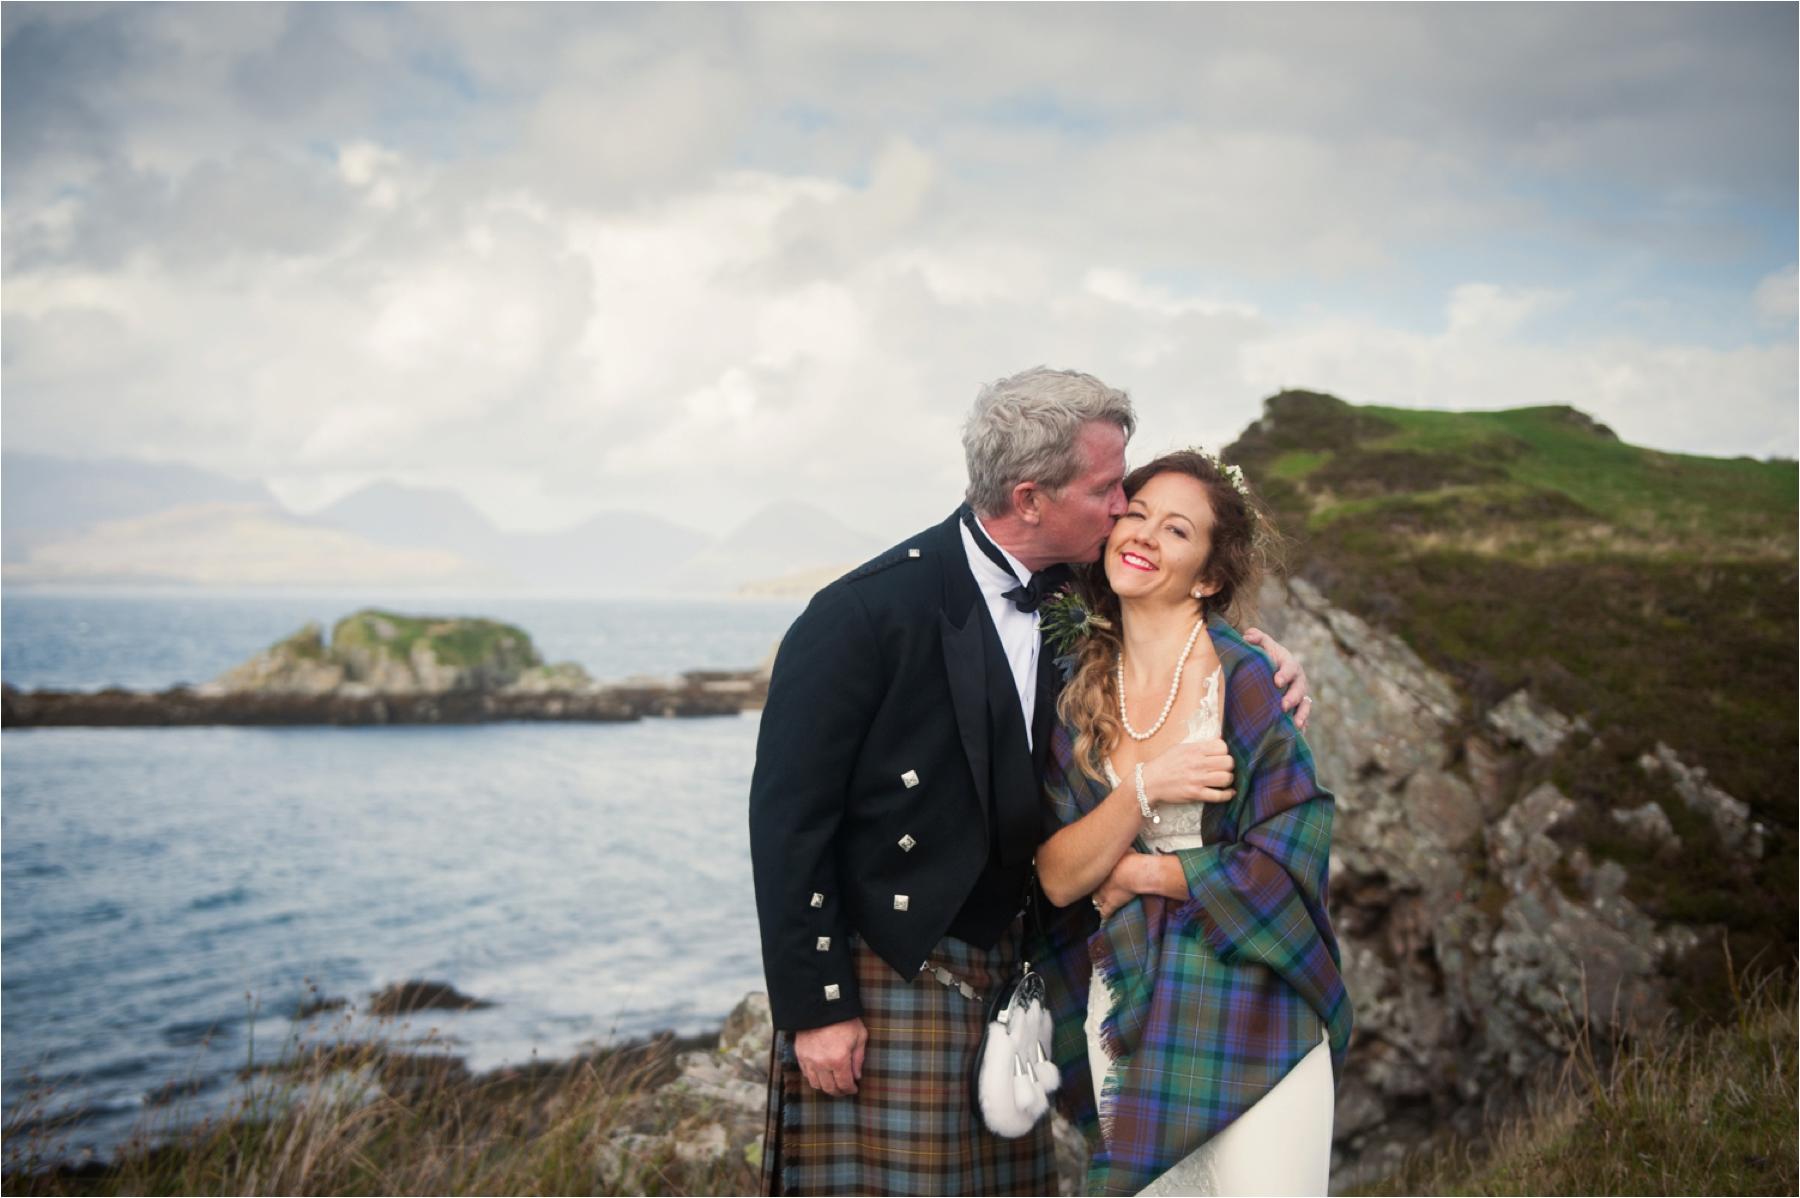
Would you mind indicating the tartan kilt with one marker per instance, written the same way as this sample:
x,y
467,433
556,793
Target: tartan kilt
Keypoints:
x,y
911,1127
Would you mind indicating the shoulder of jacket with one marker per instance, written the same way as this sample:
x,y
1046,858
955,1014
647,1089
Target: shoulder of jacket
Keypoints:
x,y
899,555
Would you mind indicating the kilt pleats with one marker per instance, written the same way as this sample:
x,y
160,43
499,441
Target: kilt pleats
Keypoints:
x,y
911,1128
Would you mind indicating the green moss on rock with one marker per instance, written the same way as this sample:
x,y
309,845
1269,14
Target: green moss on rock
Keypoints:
x,y
460,642
308,644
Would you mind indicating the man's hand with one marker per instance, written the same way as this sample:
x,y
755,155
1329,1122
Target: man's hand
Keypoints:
x,y
831,1057
1289,675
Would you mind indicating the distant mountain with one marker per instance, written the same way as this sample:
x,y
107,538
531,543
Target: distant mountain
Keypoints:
x,y
800,585
391,513
781,539
236,544
121,521
45,496
608,553
611,553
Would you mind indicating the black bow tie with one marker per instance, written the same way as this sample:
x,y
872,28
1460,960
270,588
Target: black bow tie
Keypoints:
x,y
1043,584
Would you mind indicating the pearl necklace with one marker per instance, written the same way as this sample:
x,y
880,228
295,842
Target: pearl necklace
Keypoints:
x,y
1174,688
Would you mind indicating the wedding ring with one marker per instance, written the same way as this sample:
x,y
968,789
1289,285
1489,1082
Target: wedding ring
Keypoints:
x,y
1097,905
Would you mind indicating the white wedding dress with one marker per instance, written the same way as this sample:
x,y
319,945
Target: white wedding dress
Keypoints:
x,y
1282,1145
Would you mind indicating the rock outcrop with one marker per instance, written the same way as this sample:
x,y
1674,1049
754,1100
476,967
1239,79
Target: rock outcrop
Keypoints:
x,y
386,653
384,668
1478,933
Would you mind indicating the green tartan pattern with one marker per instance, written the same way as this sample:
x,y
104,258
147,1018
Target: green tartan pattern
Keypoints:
x,y
1217,998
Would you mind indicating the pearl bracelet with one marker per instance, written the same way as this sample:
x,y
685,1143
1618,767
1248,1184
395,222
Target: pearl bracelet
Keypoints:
x,y
1137,775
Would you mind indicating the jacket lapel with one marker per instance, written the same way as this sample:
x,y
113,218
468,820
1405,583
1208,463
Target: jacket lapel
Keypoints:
x,y
1043,720
965,658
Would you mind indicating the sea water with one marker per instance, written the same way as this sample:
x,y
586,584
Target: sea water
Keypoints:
x,y
173,896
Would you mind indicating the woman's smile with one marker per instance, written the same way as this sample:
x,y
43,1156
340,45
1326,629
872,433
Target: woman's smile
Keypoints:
x,y
1137,562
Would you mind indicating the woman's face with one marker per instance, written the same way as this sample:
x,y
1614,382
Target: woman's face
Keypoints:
x,y
1160,545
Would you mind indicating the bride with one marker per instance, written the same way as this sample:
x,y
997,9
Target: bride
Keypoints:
x,y
1199,989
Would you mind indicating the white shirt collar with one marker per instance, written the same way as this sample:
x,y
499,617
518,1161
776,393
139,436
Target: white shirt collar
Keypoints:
x,y
986,571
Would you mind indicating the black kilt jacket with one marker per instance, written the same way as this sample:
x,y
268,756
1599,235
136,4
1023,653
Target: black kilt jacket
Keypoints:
x,y
870,803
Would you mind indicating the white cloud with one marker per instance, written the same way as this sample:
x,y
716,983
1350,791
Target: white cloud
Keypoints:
x,y
1777,297
1485,311
726,256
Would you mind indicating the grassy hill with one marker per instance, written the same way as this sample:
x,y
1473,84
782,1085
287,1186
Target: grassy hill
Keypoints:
x,y
1652,594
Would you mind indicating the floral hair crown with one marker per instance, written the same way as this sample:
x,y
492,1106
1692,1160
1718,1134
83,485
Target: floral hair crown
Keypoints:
x,y
1234,473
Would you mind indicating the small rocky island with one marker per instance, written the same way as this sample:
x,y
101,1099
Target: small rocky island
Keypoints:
x,y
381,667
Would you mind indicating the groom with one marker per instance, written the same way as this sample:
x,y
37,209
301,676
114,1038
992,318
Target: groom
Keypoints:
x,y
895,808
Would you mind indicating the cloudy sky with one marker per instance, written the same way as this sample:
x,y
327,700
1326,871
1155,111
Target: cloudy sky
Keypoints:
x,y
690,259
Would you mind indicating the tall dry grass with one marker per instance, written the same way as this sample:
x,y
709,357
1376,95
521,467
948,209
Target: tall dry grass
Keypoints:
x,y
1696,1110
366,1118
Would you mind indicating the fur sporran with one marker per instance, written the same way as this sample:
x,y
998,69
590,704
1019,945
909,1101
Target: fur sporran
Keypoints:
x,y
1014,1075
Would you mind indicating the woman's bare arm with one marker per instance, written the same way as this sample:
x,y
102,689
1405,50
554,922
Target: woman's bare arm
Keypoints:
x,y
1141,873
1076,860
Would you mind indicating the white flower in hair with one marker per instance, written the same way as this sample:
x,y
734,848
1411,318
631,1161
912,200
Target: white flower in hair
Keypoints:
x,y
1234,473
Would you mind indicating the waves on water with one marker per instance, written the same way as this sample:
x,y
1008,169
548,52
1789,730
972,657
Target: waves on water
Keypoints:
x,y
174,898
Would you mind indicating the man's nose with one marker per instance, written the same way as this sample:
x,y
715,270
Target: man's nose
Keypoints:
x,y
1118,505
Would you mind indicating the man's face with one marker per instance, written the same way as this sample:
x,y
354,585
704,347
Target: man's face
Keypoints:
x,y
1077,520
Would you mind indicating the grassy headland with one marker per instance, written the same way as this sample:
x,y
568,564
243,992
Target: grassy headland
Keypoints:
x,y
1651,594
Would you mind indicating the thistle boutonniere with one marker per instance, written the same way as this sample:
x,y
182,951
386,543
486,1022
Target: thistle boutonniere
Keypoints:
x,y
1066,620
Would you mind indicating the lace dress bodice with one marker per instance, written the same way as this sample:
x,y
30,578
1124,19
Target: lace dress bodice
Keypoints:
x,y
1180,827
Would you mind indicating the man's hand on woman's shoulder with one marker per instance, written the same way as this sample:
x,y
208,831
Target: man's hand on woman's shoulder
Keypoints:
x,y
1290,676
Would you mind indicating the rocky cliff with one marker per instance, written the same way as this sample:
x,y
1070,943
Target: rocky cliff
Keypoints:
x,y
1479,932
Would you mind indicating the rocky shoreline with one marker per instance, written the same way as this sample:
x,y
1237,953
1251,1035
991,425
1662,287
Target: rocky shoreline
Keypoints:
x,y
695,1104
700,693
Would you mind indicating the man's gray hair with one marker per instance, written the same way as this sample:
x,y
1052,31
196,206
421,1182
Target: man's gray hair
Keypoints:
x,y
1024,429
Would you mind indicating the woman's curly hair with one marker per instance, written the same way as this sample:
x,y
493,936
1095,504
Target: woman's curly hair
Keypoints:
x,y
1243,540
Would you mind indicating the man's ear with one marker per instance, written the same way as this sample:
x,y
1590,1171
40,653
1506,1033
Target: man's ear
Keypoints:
x,y
1026,502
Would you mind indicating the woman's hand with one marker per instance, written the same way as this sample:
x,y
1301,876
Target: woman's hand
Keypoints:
x,y
1190,773
1071,864
1117,889
1137,874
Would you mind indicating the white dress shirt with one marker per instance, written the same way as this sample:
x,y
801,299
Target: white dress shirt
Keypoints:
x,y
1018,629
